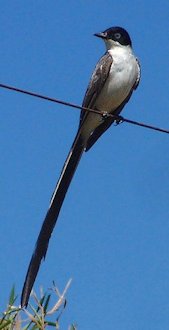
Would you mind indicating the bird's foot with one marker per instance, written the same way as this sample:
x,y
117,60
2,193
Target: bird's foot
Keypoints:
x,y
118,120
105,115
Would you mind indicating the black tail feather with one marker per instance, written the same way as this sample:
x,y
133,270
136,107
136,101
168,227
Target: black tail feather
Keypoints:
x,y
62,186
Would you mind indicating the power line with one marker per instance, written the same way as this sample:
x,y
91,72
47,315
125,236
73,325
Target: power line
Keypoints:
x,y
75,106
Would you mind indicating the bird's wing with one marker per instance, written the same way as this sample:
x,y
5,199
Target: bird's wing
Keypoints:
x,y
139,74
97,81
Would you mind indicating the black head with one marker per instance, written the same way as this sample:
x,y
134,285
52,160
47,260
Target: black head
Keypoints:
x,y
117,34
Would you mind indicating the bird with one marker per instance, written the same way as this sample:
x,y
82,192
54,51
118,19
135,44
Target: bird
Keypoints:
x,y
115,77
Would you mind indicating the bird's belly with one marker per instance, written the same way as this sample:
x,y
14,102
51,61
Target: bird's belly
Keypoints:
x,y
116,88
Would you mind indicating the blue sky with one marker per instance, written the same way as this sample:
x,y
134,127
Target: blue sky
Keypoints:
x,y
112,237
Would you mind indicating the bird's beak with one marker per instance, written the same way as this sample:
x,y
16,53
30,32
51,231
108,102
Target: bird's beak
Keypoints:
x,y
102,35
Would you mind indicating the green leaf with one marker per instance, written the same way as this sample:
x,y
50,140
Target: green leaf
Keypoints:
x,y
12,297
46,303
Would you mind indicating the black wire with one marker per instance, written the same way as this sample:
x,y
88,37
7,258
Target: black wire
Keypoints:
x,y
75,106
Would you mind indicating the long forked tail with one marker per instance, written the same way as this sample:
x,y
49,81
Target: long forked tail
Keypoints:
x,y
60,191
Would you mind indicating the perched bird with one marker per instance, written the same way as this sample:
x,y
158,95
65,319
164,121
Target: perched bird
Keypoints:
x,y
115,77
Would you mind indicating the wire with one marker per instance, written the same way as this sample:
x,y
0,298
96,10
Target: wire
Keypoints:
x,y
75,106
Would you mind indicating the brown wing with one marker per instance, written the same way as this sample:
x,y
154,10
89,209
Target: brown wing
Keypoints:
x,y
96,83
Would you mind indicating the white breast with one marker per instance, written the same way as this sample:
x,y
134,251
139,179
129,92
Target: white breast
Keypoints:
x,y
122,76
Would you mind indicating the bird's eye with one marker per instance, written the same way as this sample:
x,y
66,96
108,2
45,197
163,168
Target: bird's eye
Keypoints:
x,y
117,35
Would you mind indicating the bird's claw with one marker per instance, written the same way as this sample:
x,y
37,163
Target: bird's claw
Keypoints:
x,y
118,120
105,115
